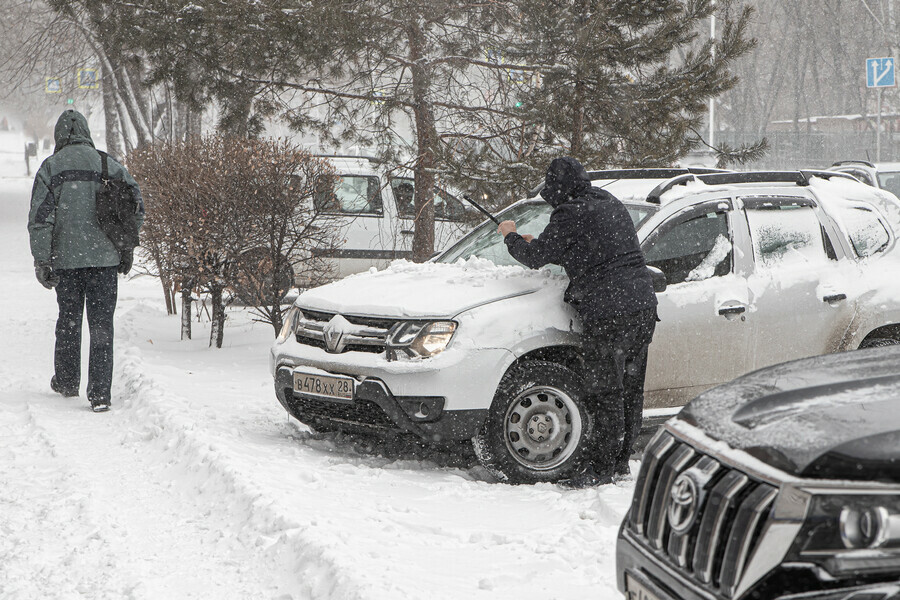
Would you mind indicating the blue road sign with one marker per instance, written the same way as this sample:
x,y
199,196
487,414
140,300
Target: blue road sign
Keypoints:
x,y
880,72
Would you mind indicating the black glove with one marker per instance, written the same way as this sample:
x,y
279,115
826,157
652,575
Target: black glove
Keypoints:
x,y
46,275
125,261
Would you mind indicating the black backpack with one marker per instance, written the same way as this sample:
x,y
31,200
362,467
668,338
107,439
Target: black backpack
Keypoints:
x,y
116,210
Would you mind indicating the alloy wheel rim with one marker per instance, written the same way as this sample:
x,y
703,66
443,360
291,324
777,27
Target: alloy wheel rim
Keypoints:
x,y
542,428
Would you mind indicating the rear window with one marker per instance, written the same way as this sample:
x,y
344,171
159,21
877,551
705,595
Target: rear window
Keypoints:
x,y
865,230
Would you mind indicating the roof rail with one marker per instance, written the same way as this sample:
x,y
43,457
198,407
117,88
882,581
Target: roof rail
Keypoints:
x,y
647,173
796,177
853,162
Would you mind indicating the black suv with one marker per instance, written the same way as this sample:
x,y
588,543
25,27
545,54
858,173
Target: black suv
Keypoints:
x,y
784,483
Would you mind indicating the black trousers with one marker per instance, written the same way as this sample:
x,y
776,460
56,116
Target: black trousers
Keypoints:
x,y
615,364
96,289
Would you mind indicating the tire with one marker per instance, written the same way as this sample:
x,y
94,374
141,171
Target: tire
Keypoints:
x,y
878,343
549,396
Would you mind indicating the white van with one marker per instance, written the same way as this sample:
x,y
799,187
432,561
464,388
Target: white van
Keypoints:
x,y
375,209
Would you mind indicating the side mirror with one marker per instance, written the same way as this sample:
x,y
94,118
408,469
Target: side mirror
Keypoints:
x,y
659,279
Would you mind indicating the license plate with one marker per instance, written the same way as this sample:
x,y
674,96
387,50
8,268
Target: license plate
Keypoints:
x,y
337,388
635,590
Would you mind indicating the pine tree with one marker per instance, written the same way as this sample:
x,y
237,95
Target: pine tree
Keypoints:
x,y
622,82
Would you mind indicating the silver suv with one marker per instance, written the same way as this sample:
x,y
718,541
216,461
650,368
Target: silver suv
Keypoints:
x,y
885,176
761,268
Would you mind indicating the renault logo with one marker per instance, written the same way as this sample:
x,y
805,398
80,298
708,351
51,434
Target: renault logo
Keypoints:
x,y
683,503
334,334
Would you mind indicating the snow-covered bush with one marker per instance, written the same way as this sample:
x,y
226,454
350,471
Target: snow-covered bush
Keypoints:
x,y
233,214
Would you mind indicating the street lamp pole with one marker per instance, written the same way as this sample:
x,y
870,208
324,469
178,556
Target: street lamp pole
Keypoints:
x,y
712,100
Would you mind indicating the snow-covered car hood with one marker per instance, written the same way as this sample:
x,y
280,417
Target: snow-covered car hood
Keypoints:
x,y
410,290
834,416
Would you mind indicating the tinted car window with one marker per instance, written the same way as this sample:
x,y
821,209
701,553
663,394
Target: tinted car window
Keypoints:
x,y
692,250
785,234
354,194
866,232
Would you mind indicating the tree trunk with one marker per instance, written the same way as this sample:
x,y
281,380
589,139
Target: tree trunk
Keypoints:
x,y
131,105
577,142
111,117
167,292
217,328
186,300
426,139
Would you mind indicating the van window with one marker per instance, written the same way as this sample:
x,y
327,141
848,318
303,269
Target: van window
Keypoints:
x,y
354,195
446,207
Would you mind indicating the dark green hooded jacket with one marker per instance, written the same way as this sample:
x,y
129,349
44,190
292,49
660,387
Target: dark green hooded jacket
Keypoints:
x,y
62,222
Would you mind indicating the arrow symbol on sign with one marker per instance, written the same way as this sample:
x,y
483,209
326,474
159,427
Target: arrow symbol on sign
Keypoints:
x,y
880,70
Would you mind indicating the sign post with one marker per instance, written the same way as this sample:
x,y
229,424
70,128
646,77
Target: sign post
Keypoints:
x,y
880,74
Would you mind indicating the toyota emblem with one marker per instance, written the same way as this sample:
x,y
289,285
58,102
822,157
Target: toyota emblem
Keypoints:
x,y
683,503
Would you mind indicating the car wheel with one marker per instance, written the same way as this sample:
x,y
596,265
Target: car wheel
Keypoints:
x,y
878,343
537,425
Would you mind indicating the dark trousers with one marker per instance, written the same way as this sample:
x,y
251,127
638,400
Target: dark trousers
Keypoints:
x,y
96,288
615,364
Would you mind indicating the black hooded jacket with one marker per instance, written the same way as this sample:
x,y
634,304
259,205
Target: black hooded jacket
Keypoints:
x,y
592,236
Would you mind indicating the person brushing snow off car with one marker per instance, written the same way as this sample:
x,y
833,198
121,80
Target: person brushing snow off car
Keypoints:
x,y
73,254
592,236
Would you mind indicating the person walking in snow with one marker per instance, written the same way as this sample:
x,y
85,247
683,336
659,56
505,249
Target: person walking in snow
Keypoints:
x,y
592,236
73,255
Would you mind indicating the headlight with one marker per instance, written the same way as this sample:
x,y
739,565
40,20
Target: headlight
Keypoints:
x,y
422,339
290,322
855,533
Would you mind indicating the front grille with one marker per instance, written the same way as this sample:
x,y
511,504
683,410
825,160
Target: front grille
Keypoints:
x,y
731,509
363,335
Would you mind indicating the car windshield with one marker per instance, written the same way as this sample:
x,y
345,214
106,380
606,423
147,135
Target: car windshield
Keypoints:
x,y
530,218
890,181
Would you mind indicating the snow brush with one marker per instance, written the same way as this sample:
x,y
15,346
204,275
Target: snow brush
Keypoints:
x,y
481,208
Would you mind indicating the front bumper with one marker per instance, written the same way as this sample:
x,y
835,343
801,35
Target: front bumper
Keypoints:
x,y
375,407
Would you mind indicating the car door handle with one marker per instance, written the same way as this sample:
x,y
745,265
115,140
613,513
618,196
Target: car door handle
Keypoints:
x,y
727,311
834,298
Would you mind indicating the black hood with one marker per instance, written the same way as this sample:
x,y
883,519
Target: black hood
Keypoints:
x,y
834,417
565,178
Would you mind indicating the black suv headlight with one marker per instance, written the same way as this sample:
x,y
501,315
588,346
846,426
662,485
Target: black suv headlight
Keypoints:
x,y
853,533
420,339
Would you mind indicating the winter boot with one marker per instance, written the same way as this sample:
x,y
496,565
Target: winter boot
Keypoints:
x,y
99,405
67,393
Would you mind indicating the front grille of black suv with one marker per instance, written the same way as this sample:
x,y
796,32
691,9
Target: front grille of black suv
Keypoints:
x,y
731,510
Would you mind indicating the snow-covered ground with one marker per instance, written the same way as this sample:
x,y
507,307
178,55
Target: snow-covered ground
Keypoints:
x,y
197,485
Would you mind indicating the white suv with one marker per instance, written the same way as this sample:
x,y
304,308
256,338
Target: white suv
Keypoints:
x,y
761,268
